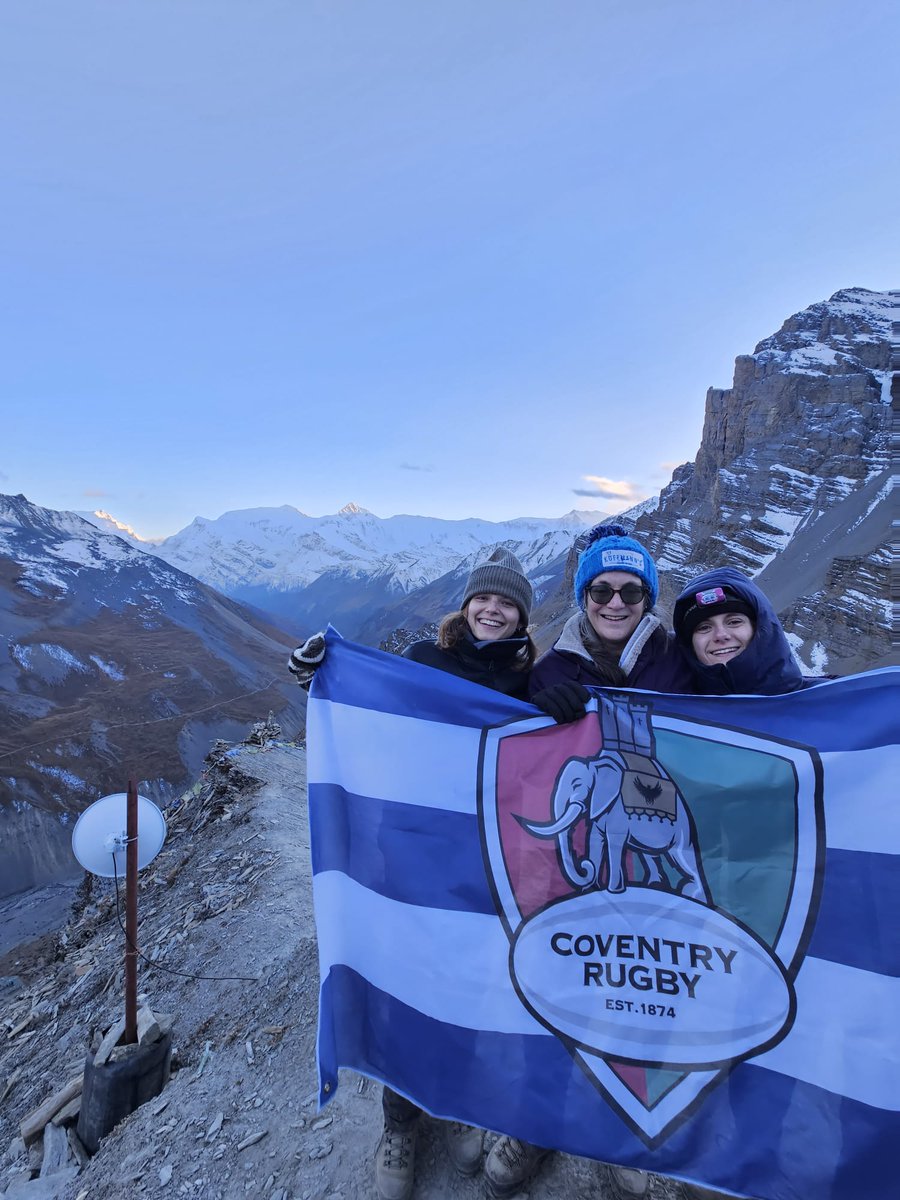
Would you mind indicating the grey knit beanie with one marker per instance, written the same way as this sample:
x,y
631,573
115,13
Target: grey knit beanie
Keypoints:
x,y
503,574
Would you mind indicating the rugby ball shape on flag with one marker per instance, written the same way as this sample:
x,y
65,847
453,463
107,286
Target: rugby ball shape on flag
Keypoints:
x,y
651,977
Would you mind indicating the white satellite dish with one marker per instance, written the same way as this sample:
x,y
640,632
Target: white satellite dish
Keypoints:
x,y
100,835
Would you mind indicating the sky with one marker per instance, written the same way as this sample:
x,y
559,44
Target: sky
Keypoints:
x,y
470,259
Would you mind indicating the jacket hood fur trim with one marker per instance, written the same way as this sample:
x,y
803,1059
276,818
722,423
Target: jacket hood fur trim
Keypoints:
x,y
569,641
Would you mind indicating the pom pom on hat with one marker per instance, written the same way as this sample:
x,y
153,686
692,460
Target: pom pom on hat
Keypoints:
x,y
501,574
609,548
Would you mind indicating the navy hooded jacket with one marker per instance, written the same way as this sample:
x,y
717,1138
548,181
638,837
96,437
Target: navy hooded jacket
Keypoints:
x,y
766,667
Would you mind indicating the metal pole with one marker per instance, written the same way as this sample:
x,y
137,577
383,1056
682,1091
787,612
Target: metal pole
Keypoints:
x,y
131,874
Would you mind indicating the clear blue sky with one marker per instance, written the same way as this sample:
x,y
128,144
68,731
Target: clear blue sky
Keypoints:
x,y
451,259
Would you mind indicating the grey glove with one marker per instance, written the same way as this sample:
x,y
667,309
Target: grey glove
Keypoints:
x,y
304,660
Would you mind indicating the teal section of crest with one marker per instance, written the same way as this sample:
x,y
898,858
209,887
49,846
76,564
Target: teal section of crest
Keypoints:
x,y
744,805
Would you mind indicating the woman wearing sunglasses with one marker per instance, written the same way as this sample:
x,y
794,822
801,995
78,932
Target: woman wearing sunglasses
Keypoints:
x,y
615,639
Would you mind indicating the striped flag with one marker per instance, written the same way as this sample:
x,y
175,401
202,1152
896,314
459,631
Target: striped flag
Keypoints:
x,y
666,936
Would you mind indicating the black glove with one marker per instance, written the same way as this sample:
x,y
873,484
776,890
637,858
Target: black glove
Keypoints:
x,y
304,660
564,702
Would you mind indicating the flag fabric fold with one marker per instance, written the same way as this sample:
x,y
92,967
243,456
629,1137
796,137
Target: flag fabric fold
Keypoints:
x,y
665,936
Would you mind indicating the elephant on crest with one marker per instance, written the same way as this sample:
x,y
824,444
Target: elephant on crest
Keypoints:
x,y
629,803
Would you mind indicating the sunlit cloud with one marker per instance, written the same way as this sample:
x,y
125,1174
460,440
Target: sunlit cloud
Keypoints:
x,y
95,494
610,489
617,494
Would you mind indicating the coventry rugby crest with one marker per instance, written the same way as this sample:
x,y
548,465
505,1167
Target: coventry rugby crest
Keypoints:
x,y
658,880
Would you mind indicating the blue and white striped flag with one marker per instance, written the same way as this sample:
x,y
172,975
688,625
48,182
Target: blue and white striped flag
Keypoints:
x,y
666,936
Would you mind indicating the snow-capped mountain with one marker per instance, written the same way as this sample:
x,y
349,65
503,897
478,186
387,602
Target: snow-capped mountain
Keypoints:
x,y
114,665
108,523
791,483
304,570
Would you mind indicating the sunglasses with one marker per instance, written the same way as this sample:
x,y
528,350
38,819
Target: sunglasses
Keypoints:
x,y
629,593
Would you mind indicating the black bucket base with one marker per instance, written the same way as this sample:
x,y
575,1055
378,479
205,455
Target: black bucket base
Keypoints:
x,y
115,1089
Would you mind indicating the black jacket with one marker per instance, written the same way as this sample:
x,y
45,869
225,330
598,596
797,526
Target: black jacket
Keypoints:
x,y
487,663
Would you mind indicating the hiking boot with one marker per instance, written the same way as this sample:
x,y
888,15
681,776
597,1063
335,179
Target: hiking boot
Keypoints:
x,y
395,1161
510,1164
625,1183
465,1146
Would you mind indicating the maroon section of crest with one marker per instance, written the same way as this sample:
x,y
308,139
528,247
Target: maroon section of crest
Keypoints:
x,y
527,767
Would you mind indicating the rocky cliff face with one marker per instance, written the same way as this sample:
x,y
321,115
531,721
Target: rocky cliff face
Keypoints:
x,y
791,483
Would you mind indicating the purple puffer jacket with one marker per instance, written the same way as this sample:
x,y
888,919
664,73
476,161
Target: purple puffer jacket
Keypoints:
x,y
652,660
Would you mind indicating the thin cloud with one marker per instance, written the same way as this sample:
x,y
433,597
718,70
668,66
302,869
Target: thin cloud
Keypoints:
x,y
620,490
415,467
95,494
4,478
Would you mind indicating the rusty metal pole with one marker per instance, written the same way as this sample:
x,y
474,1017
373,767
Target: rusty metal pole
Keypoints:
x,y
131,874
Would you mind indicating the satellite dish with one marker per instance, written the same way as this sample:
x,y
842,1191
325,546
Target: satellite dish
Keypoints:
x,y
100,833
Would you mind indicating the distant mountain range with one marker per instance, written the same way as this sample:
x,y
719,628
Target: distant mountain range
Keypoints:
x,y
305,571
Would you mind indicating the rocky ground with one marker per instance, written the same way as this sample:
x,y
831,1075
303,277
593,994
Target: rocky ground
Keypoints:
x,y
229,899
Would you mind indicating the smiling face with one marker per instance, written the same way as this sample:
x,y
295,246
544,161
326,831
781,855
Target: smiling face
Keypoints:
x,y
722,637
491,617
614,621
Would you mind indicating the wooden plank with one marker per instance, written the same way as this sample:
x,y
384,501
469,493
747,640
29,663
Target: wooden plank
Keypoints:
x,y
32,1125
68,1112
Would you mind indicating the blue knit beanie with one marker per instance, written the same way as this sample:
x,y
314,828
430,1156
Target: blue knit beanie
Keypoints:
x,y
609,548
